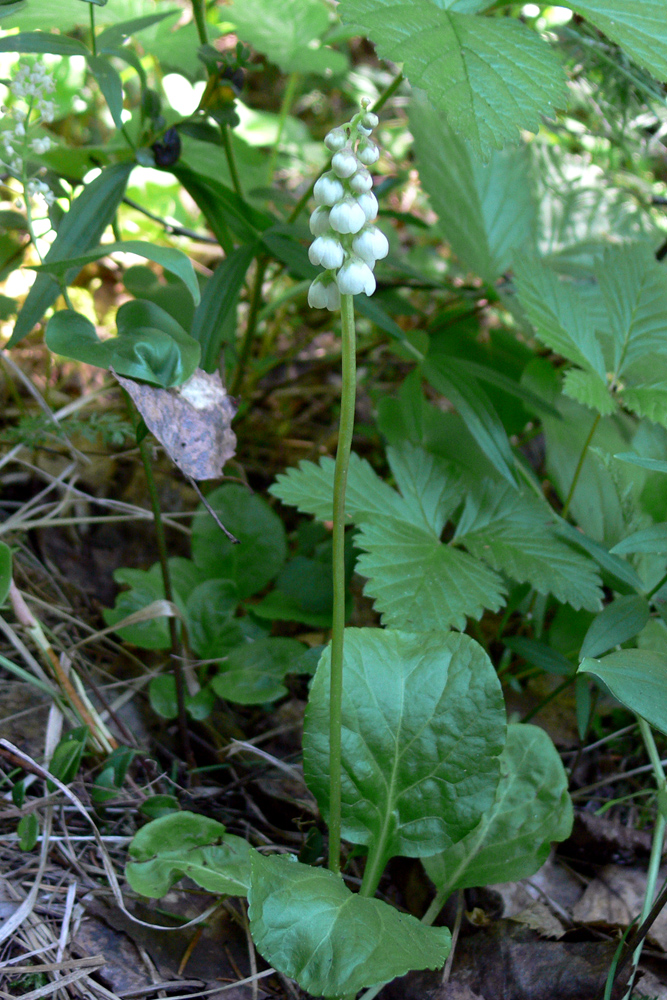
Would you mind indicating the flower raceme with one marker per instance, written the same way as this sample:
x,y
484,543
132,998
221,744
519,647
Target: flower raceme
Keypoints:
x,y
346,243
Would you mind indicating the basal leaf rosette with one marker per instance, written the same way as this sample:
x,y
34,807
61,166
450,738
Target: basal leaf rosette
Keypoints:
x,y
346,243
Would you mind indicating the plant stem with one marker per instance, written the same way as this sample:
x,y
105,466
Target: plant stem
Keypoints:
x,y
251,326
346,426
176,662
286,104
387,93
231,162
199,13
580,465
93,40
656,844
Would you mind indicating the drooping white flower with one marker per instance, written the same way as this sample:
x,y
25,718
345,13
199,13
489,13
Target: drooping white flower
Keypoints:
x,y
370,244
368,152
335,139
319,221
327,251
354,277
347,216
41,145
328,189
323,293
368,203
344,163
370,120
362,181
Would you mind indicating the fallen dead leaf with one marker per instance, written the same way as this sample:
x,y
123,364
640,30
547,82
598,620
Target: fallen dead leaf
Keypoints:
x,y
615,897
192,421
539,918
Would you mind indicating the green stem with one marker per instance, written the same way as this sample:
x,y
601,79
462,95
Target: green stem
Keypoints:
x,y
381,101
251,326
93,40
346,426
176,657
580,465
199,13
286,104
654,590
656,844
231,162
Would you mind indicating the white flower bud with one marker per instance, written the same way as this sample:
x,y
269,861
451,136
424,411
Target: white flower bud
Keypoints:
x,y
368,152
327,251
347,216
355,277
361,182
368,203
335,139
370,120
319,221
328,189
370,244
364,130
344,163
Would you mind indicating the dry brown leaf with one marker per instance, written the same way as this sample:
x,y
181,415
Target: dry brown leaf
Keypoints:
x,y
192,421
539,918
615,897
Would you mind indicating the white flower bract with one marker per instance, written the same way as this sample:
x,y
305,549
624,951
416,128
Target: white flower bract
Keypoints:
x,y
347,216
354,277
327,251
328,189
370,244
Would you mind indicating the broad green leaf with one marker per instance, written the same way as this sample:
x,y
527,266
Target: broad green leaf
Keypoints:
x,y
186,843
80,229
485,209
262,544
589,389
214,321
162,696
28,831
117,33
303,593
5,571
253,673
531,809
169,258
110,84
10,7
638,679
163,355
67,757
210,609
638,26
651,540
540,655
44,41
145,586
621,620
634,290
423,725
475,409
333,942
490,76
223,209
288,34
512,532
558,313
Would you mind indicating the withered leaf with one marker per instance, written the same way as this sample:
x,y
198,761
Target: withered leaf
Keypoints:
x,y
192,421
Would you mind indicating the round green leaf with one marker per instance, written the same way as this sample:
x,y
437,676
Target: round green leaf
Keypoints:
x,y
162,696
262,545
210,609
254,672
423,728
638,679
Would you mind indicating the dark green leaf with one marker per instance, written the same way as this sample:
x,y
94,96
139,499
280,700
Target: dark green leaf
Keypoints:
x,y
117,33
109,82
162,696
210,610
44,41
309,926
653,464
540,655
621,620
214,321
28,831
158,806
653,539
638,679
212,197
253,673
637,25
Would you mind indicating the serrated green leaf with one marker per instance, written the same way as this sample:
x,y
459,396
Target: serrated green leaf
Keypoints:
x,y
485,209
490,76
163,354
288,34
512,532
590,390
531,809
423,725
169,258
186,843
621,620
558,313
638,26
653,539
253,673
80,229
309,926
638,679
648,401
475,409
262,544
214,321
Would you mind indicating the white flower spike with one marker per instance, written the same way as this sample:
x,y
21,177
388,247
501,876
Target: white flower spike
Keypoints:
x,y
346,243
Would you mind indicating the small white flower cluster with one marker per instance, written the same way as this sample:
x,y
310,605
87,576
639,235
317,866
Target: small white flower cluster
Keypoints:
x,y
346,243
30,85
